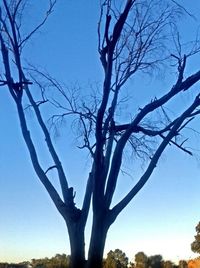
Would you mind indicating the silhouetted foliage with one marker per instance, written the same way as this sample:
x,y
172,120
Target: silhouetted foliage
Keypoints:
x,y
15,265
155,261
168,264
58,261
116,259
141,260
182,264
195,246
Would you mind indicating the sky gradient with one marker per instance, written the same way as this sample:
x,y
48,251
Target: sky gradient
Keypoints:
x,y
162,217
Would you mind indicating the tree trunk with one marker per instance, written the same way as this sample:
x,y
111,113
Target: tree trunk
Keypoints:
x,y
77,244
97,243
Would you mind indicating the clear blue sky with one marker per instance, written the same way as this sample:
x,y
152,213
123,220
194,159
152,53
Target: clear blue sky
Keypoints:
x,y
162,217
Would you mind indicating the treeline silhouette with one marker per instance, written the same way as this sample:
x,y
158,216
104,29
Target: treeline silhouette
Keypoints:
x,y
114,259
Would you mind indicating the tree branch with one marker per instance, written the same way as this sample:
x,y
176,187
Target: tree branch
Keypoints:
x,y
39,171
49,11
117,156
124,202
88,195
61,174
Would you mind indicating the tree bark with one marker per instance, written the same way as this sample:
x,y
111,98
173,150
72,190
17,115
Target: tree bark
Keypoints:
x,y
77,244
97,243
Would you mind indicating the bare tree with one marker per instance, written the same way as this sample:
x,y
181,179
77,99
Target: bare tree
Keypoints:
x,y
11,48
133,36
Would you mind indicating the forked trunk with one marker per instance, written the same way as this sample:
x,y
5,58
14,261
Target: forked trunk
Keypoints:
x,y
77,244
97,242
